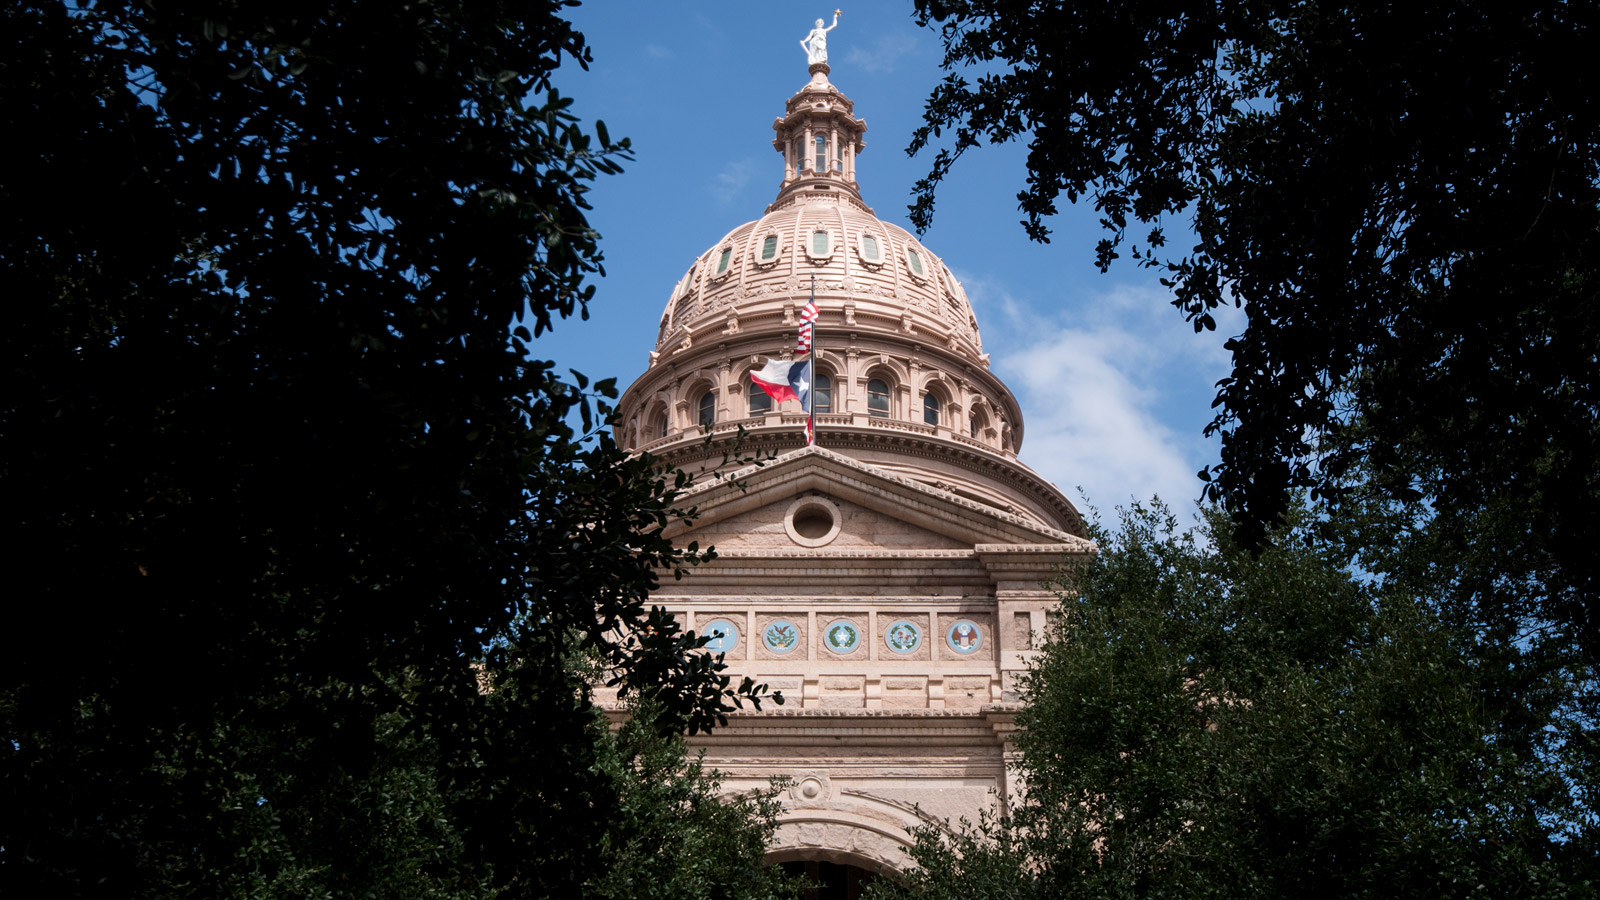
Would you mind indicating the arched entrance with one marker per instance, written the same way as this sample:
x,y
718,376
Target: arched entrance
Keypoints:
x,y
830,880
840,851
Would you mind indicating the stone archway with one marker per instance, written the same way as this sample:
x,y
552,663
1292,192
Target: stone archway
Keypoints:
x,y
841,836
837,853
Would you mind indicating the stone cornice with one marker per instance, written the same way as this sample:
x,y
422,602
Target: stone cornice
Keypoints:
x,y
815,553
981,715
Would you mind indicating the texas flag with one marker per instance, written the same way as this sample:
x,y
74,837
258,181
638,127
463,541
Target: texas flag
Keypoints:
x,y
784,380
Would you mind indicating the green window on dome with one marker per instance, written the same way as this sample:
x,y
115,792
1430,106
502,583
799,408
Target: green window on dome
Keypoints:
x,y
916,262
819,243
869,248
769,247
722,263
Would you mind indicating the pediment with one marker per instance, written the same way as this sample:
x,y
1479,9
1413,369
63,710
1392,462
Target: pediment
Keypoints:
x,y
755,510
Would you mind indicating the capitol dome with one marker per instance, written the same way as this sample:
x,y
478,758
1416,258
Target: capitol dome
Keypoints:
x,y
902,381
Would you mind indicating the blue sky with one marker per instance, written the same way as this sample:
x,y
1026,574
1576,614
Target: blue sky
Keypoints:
x,y
1115,387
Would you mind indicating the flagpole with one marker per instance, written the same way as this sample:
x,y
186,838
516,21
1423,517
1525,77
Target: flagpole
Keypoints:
x,y
816,370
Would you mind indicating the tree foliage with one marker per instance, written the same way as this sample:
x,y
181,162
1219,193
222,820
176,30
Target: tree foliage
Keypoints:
x,y
1403,198
679,835
287,489
1210,722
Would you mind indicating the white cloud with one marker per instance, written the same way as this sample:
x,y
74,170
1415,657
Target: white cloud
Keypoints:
x,y
1114,390
728,184
882,55
710,28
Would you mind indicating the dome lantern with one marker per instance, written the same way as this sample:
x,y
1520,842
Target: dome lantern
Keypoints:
x,y
818,137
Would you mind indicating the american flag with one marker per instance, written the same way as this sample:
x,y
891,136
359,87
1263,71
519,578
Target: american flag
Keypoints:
x,y
808,318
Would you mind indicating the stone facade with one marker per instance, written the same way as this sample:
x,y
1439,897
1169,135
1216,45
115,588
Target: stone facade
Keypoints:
x,y
888,580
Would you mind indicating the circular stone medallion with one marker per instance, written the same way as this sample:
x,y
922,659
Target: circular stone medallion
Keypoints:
x,y
841,636
903,637
781,636
964,636
724,635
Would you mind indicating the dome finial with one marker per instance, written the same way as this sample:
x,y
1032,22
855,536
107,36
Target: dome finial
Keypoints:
x,y
816,45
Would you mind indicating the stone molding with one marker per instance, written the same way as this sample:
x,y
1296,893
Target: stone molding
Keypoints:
x,y
864,483
1006,473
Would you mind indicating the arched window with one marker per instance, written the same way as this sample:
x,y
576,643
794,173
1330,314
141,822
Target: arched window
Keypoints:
x,y
760,402
658,425
822,395
708,409
979,423
877,398
930,409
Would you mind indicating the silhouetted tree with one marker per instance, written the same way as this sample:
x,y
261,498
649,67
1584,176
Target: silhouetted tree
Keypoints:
x,y
288,496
